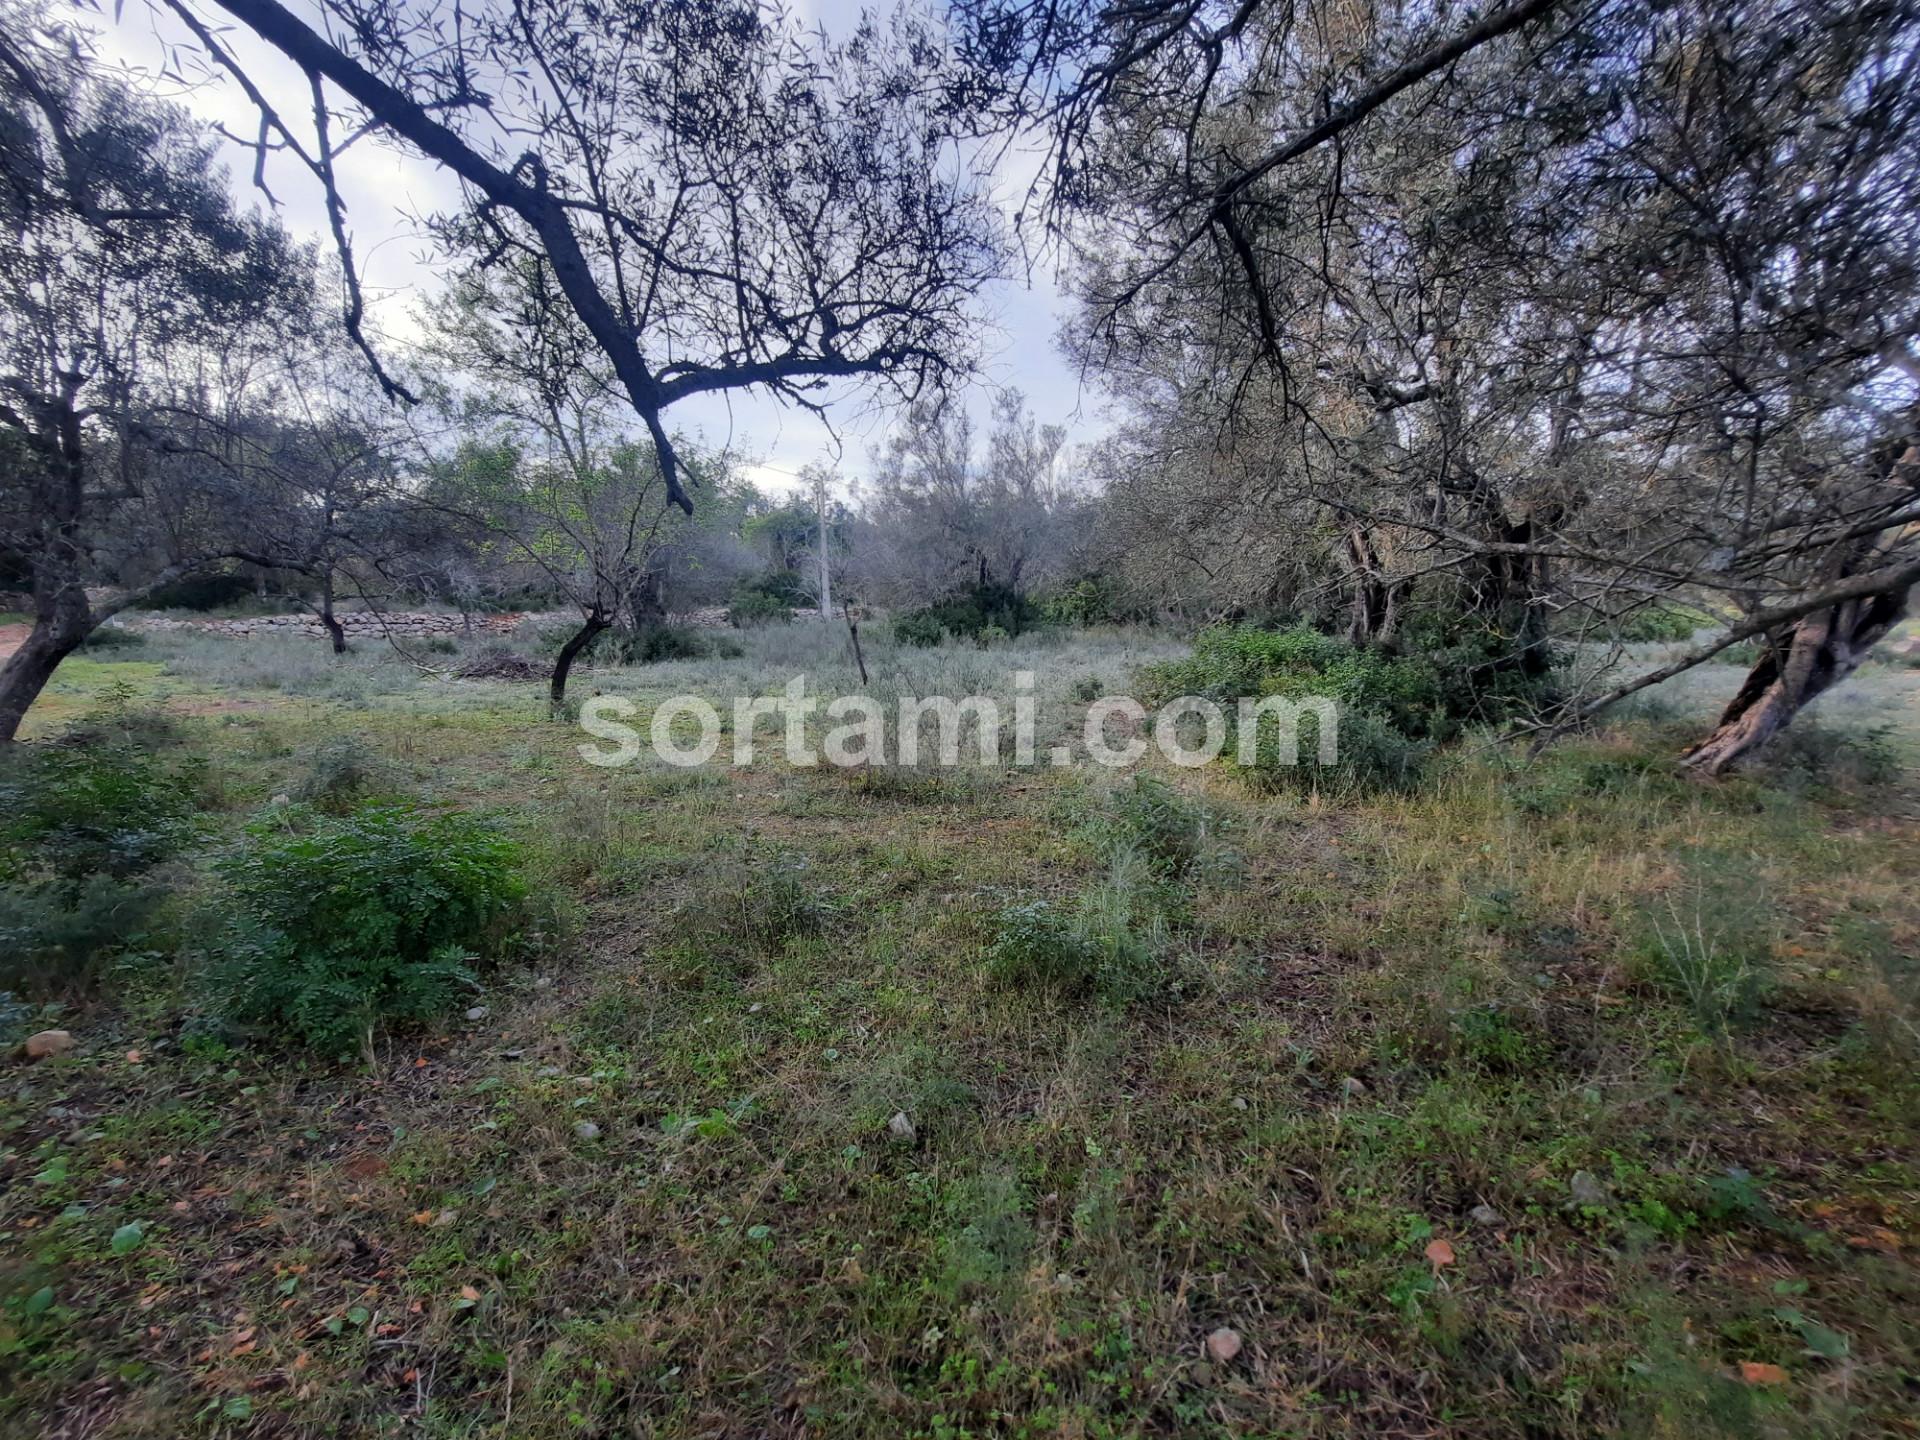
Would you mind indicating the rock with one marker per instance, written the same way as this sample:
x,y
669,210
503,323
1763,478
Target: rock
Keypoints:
x,y
477,1012
900,1127
1222,1345
281,799
549,1072
587,1130
545,982
1239,1102
48,1043
511,1054
1353,1087
1588,1192
1484,1215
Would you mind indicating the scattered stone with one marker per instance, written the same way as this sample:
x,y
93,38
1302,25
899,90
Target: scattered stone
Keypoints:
x,y
1239,1102
1588,1192
755,1008
900,1127
511,1054
1484,1215
48,1043
281,799
1222,1345
549,1072
477,1012
1353,1087
587,1130
545,982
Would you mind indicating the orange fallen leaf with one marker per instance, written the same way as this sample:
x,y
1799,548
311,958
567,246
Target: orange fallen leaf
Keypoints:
x,y
1755,1372
134,1057
1439,1252
302,1360
467,1292
410,1375
387,1329
423,1217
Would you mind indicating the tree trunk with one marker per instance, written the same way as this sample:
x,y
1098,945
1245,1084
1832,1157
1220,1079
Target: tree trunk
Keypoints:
x,y
1374,610
1796,667
335,631
647,607
563,662
57,633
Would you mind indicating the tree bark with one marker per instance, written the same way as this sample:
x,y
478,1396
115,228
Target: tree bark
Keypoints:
x,y
563,662
335,631
1797,666
57,632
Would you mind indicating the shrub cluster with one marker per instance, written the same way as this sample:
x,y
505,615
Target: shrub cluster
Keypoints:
x,y
332,926
87,821
969,614
1395,707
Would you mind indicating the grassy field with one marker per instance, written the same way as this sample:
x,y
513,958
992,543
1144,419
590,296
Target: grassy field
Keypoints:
x,y
1553,1099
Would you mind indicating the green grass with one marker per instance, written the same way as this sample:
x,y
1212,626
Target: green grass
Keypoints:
x,y
1380,1017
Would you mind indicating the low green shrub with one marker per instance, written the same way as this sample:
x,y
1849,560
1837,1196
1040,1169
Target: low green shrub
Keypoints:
x,y
750,607
87,822
967,615
57,934
1091,601
99,799
341,773
1113,945
333,927
1393,708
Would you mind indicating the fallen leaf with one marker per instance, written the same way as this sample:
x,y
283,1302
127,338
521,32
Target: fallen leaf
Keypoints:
x,y
364,1167
1754,1372
134,1057
467,1292
1440,1253
302,1360
423,1217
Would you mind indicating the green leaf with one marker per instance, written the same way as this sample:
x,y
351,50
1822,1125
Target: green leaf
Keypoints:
x,y
40,1301
357,1315
239,1407
127,1238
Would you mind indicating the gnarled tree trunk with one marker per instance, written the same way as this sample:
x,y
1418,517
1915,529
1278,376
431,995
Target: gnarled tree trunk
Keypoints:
x,y
569,652
335,631
1796,667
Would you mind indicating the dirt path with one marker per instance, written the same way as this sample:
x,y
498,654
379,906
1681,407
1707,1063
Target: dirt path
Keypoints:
x,y
12,637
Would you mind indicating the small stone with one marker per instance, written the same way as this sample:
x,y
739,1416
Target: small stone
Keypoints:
x,y
587,1130
549,1072
1239,1102
900,1127
281,799
545,982
1353,1087
477,1012
1587,1191
1222,1345
511,1054
755,1008
48,1043
1484,1215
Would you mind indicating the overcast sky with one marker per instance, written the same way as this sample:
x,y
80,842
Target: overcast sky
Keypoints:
x,y
386,191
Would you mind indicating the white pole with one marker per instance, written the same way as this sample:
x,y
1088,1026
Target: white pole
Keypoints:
x,y
826,580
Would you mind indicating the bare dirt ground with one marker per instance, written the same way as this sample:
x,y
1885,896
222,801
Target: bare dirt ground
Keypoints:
x,y
12,637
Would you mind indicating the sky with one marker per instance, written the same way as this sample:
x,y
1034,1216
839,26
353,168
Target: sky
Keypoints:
x,y
387,190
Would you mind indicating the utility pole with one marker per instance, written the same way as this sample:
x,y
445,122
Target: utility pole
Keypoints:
x,y
826,580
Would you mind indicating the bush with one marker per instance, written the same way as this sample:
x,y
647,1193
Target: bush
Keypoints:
x,y
1113,945
1169,831
341,774
1093,601
98,799
83,819
755,607
202,592
346,924
918,627
57,933
967,615
1393,708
